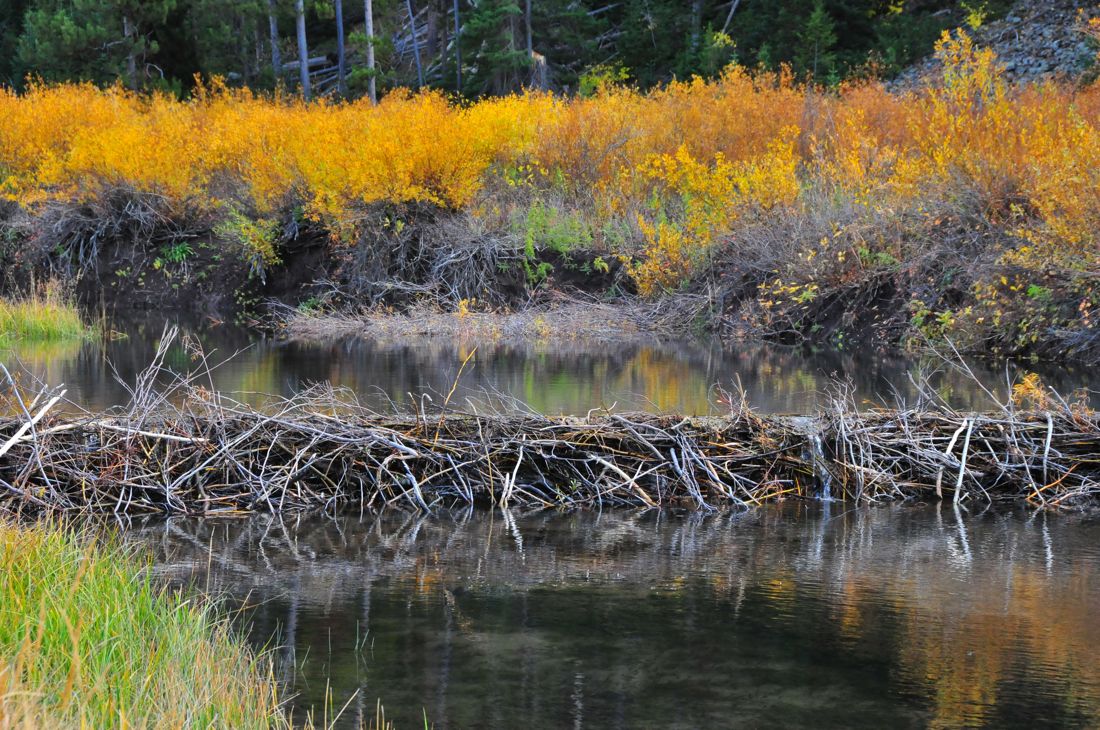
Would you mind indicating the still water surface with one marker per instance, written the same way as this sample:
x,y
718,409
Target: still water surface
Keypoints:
x,y
791,616
786,617
550,378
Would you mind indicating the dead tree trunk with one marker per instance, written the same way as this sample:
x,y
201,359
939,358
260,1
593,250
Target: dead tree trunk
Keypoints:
x,y
341,64
273,33
729,17
372,88
303,48
431,34
416,44
131,56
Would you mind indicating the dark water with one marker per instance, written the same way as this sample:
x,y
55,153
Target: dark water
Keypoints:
x,y
786,617
551,378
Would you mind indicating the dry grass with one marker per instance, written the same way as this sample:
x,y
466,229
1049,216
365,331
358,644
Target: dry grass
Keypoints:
x,y
559,323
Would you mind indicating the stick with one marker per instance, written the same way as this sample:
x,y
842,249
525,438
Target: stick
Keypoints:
x,y
30,424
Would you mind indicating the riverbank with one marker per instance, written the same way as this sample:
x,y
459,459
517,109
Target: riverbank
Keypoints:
x,y
752,205
206,454
89,640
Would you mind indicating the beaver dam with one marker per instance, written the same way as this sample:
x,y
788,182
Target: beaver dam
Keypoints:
x,y
188,450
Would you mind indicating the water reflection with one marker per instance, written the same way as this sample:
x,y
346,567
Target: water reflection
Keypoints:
x,y
549,378
782,617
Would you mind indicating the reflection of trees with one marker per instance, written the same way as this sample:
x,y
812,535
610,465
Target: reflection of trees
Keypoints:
x,y
570,378
471,611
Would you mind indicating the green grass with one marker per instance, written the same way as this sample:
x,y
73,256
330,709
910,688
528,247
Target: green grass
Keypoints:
x,y
44,317
87,640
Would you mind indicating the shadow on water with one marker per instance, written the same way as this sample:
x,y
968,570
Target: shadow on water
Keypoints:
x,y
789,616
571,378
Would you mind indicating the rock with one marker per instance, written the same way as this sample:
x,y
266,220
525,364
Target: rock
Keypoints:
x,y
1037,38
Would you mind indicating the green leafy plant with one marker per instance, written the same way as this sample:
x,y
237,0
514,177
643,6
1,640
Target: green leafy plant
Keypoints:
x,y
601,77
257,237
177,253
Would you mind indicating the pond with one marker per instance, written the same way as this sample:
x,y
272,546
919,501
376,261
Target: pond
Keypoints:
x,y
793,615
681,377
790,616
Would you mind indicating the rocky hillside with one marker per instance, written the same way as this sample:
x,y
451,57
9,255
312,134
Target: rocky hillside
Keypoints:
x,y
1036,39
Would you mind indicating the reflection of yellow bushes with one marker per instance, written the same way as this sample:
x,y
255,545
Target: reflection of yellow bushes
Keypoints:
x,y
659,177
968,660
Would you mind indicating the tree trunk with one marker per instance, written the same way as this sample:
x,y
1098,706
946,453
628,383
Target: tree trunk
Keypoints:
x,y
527,29
341,70
372,88
431,36
273,32
241,31
458,49
131,57
303,49
729,18
696,24
416,44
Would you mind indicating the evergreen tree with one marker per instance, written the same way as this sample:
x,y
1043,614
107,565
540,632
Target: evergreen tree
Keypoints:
x,y
11,27
96,40
651,38
226,37
568,37
502,46
815,56
493,48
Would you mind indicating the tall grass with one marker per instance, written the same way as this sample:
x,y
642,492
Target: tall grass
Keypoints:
x,y
45,316
87,640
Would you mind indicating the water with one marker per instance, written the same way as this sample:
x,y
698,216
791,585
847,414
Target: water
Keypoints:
x,y
573,378
791,616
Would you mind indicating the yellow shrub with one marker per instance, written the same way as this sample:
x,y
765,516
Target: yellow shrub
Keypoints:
x,y
670,171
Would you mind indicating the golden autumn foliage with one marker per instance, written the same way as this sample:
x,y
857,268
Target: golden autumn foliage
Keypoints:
x,y
660,179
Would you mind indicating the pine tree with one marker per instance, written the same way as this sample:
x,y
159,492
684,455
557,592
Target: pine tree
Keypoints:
x,y
11,27
493,48
225,36
96,40
567,36
652,38
815,56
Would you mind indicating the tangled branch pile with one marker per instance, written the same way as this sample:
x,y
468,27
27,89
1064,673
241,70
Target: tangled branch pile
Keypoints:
x,y
1046,459
207,455
201,453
